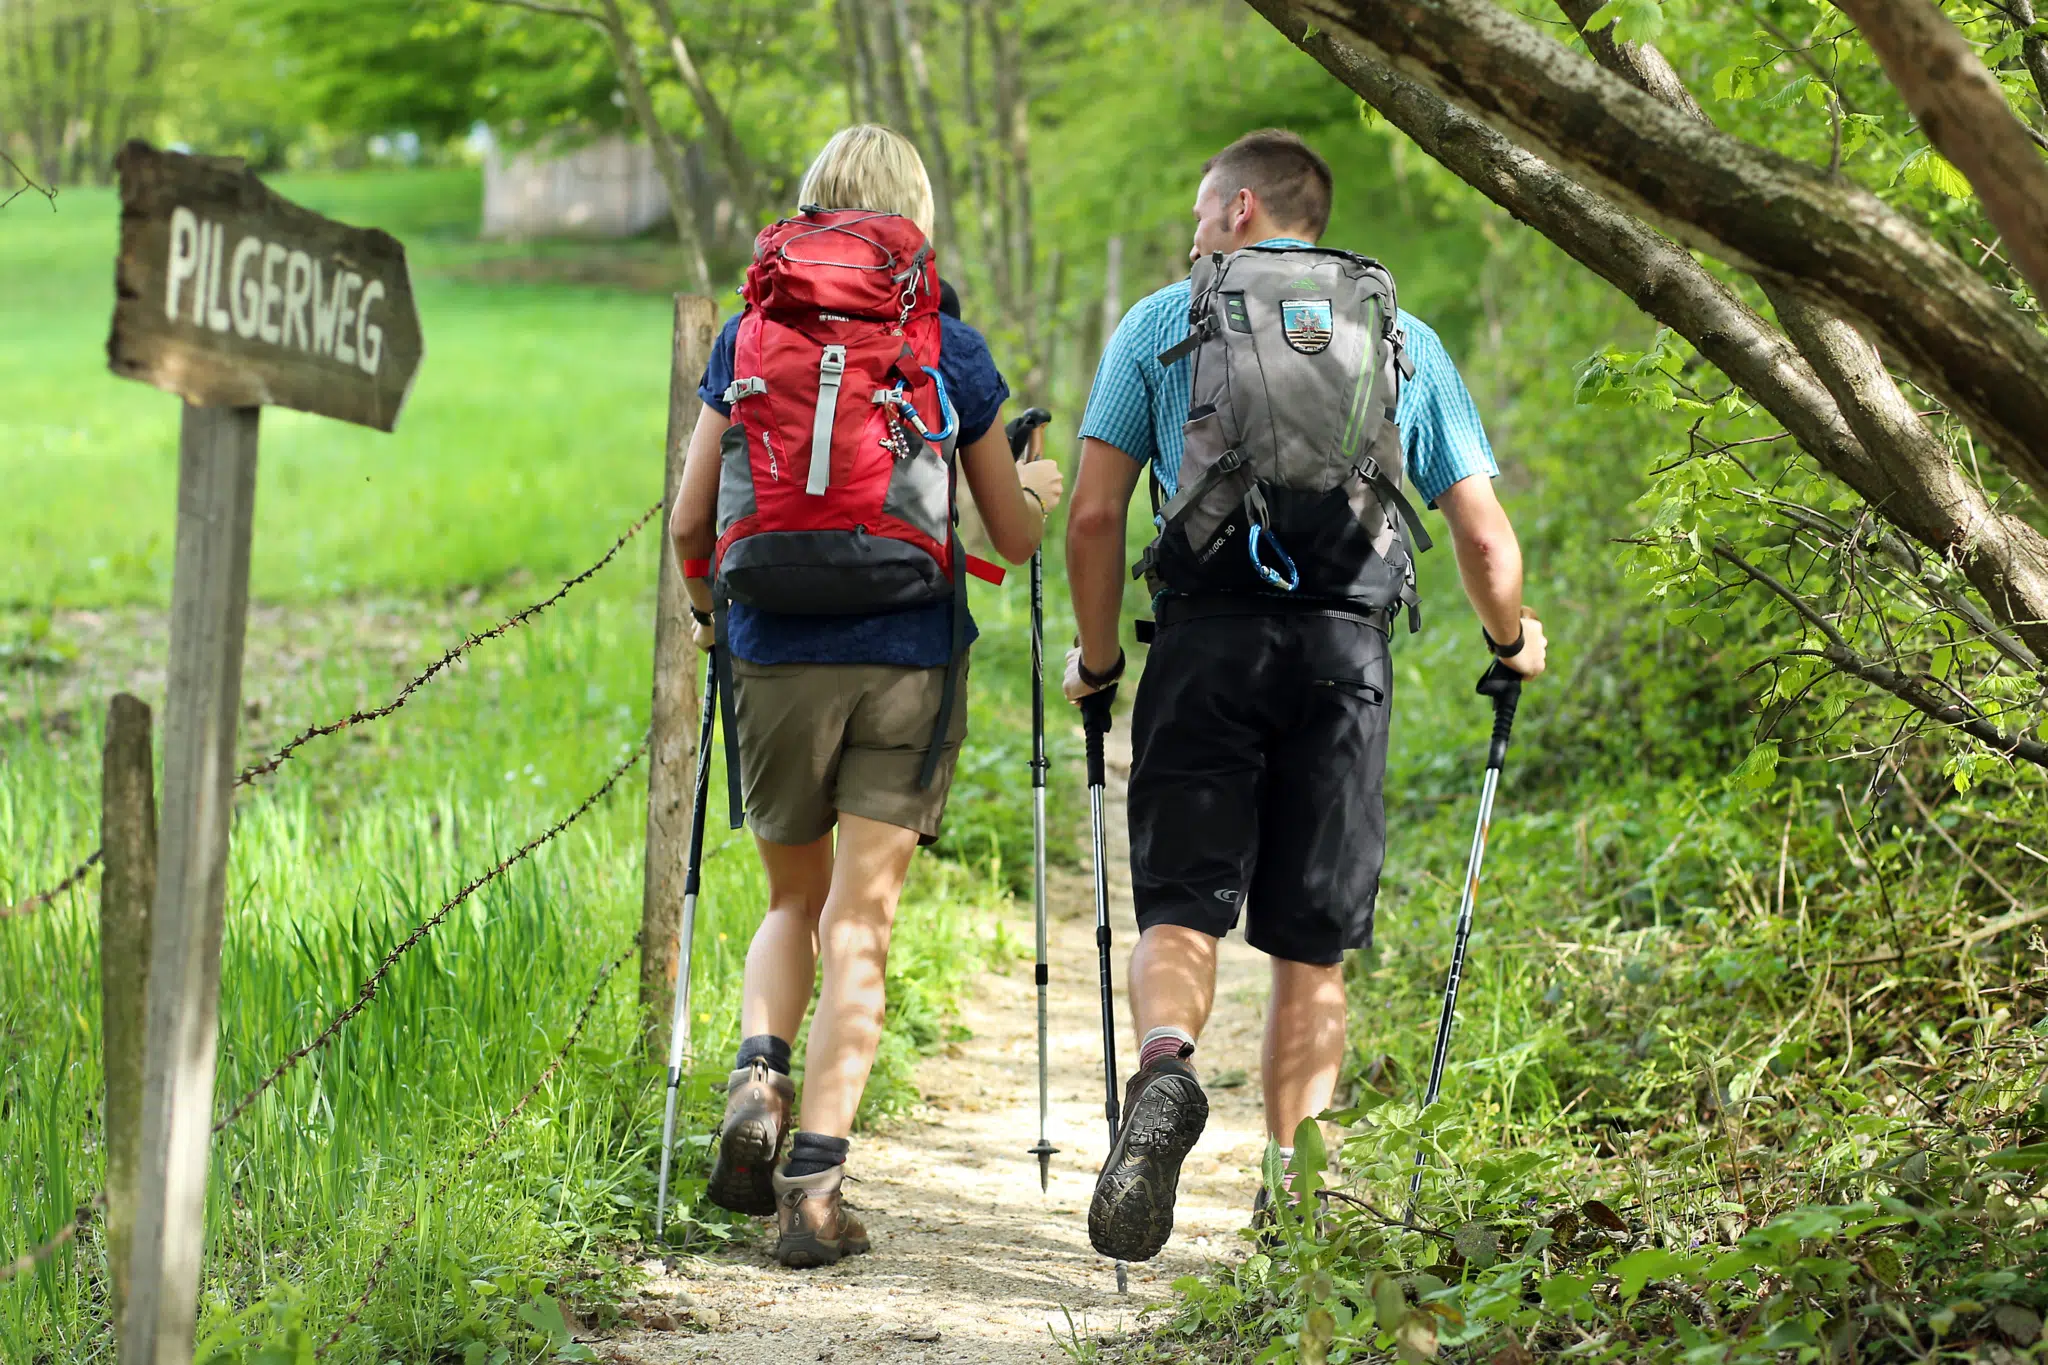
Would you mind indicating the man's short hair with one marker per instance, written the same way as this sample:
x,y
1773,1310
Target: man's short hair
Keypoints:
x,y
1285,174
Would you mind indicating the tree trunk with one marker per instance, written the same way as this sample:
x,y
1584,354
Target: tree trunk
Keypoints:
x,y
1928,499
1823,238
932,140
667,158
1962,110
731,151
895,91
853,67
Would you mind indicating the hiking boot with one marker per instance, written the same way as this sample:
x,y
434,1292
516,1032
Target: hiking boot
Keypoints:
x,y
757,1104
811,1222
1165,1110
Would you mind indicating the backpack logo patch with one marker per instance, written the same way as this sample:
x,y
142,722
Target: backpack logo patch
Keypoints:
x,y
1306,324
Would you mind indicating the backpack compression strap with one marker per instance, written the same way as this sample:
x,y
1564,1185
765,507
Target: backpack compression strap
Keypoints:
x,y
831,365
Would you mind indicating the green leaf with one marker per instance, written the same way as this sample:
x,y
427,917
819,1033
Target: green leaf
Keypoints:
x,y
1310,1158
1562,1291
1317,1332
1389,1304
1929,168
1638,1268
1760,768
2019,1158
1368,116
1477,1243
1635,21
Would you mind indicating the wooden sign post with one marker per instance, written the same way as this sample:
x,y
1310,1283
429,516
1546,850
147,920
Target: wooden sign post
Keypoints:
x,y
230,297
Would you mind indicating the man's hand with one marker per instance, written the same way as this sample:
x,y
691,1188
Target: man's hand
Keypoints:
x,y
1529,659
1073,686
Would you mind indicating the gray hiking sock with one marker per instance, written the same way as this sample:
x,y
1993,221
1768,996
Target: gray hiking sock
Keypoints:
x,y
766,1048
811,1153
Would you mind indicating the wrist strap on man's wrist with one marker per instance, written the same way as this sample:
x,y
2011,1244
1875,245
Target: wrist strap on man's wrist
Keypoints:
x,y
1501,651
1098,681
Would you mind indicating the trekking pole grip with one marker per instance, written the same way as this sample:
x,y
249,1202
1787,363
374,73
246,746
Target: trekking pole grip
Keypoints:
x,y
1504,686
1095,709
1020,428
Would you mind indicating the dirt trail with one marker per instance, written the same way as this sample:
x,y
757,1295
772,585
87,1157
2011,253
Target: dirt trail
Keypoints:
x,y
971,1264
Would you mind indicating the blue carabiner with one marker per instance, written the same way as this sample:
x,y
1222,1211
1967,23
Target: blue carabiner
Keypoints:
x,y
916,419
945,408
1293,579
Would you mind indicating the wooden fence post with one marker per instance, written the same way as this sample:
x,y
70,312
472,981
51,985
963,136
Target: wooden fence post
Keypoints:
x,y
209,608
673,723
127,885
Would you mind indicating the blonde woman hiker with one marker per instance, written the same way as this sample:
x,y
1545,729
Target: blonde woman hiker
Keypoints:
x,y
816,531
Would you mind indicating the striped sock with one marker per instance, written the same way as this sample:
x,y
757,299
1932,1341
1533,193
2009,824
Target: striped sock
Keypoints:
x,y
1162,1043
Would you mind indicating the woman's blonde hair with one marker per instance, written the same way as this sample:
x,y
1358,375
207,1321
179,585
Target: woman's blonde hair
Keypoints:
x,y
868,166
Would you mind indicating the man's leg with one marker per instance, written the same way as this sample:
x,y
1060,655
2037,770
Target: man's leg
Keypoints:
x,y
1173,979
1304,1047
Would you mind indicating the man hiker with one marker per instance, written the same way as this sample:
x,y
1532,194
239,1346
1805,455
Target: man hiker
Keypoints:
x,y
1259,734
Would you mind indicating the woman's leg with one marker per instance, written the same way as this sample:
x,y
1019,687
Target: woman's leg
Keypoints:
x,y
782,960
853,932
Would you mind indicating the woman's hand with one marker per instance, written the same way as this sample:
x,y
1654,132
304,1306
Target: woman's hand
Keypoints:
x,y
1043,479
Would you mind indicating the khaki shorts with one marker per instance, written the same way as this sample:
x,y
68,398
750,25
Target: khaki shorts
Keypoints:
x,y
818,740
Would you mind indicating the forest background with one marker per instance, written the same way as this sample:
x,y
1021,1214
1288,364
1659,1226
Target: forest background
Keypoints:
x,y
1752,1061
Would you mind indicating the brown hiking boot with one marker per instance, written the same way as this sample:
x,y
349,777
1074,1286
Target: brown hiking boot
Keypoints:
x,y
757,1104
1131,1216
811,1220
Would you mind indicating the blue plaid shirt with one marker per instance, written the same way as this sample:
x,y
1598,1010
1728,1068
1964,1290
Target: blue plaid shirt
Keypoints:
x,y
1138,405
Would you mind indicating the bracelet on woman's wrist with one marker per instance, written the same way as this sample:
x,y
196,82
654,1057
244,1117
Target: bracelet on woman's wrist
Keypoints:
x,y
1032,493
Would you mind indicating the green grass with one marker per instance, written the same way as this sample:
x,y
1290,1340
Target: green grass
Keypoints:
x,y
533,437
534,428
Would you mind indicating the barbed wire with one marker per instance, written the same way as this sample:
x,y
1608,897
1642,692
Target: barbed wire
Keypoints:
x,y
270,765
29,1260
468,1158
518,618
42,898
368,990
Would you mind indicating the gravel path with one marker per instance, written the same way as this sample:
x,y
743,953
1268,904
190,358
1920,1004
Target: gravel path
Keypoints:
x,y
972,1265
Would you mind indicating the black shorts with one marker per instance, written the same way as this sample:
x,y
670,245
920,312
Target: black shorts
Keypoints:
x,y
1258,754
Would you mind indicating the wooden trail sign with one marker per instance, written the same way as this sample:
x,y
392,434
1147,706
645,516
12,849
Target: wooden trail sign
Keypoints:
x,y
230,296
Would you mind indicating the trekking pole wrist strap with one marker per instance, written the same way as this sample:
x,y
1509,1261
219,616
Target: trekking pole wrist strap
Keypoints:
x,y
1507,651
1098,681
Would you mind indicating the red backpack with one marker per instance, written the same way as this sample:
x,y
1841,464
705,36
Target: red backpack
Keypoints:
x,y
837,490
837,486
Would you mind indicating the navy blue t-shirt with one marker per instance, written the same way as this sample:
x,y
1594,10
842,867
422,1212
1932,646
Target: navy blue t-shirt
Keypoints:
x,y
921,637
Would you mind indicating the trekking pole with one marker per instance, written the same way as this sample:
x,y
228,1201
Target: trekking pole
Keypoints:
x,y
679,1023
1504,686
1095,709
1019,432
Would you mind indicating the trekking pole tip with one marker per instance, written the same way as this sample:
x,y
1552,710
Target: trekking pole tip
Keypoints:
x,y
1123,1278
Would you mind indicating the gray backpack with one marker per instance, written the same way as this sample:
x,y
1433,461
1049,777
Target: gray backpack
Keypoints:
x,y
1290,484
